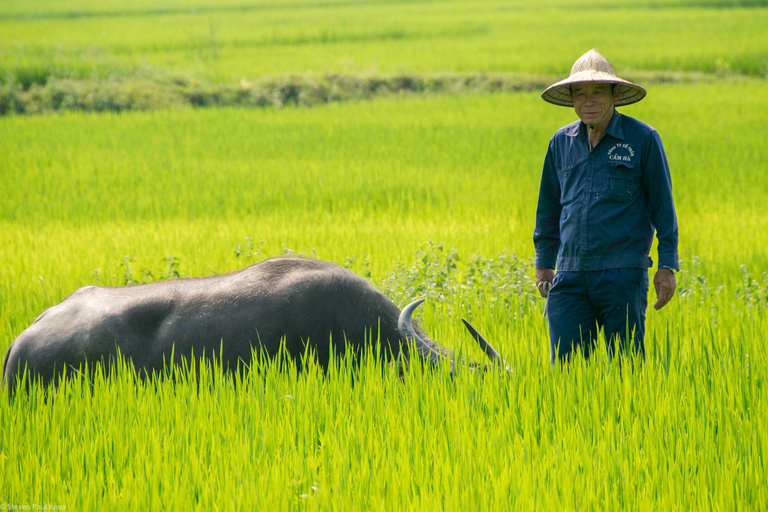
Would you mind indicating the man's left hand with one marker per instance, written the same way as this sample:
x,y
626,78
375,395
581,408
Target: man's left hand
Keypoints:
x,y
665,284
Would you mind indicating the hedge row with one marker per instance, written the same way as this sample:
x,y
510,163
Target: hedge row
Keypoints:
x,y
125,94
147,93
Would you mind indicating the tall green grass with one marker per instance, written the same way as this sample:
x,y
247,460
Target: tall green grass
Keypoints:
x,y
225,41
377,179
105,199
685,430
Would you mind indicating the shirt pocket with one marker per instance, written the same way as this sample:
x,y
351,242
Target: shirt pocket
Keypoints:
x,y
567,176
623,181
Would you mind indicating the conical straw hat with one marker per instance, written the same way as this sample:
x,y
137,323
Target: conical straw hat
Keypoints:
x,y
592,67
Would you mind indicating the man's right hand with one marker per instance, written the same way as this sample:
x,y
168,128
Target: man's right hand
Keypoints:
x,y
544,275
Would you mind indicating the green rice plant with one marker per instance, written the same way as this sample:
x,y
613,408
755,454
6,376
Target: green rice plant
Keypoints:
x,y
688,435
113,199
229,41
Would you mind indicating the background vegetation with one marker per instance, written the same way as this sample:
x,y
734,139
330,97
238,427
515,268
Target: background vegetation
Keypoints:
x,y
423,195
144,55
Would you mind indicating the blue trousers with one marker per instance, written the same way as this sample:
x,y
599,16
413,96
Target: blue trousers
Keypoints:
x,y
581,303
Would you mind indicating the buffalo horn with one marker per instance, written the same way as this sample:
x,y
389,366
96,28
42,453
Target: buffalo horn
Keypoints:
x,y
487,348
405,326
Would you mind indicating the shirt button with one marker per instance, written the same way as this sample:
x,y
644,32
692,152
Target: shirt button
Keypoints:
x,y
591,157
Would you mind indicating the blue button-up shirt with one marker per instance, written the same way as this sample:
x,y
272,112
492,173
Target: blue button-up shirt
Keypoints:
x,y
598,208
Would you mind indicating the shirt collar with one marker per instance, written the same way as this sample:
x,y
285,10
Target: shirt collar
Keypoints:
x,y
615,128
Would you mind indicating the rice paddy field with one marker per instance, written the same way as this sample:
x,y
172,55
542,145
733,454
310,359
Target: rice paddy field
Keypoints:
x,y
229,39
423,195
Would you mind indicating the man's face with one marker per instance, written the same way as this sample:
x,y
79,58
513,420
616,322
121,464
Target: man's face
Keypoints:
x,y
593,102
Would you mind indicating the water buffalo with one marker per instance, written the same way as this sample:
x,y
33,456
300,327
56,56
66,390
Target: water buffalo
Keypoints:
x,y
302,301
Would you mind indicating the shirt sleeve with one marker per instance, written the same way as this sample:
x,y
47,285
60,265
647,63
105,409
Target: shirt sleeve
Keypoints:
x,y
546,233
658,185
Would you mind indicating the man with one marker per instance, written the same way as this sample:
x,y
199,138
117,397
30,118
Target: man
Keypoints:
x,y
605,188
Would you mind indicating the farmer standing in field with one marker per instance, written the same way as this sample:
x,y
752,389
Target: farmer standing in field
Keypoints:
x,y
604,188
